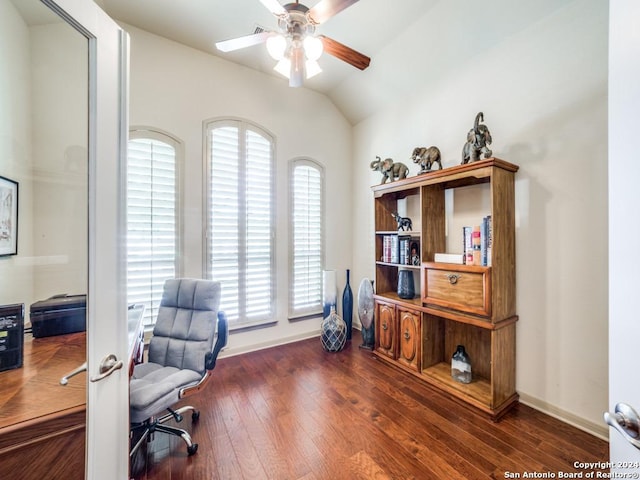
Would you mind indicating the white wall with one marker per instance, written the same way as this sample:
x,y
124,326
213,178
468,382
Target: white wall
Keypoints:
x,y
175,88
543,90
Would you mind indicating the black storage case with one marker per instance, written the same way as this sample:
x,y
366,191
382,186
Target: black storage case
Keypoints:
x,y
59,314
11,336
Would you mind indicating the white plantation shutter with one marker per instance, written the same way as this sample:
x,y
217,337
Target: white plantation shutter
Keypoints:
x,y
240,209
307,238
152,220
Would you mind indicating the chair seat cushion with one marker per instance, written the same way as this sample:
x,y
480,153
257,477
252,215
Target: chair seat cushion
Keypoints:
x,y
154,388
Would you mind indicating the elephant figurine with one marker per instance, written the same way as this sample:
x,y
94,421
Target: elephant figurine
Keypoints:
x,y
426,157
477,140
389,169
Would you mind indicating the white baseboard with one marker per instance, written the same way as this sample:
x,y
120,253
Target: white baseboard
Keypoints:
x,y
595,429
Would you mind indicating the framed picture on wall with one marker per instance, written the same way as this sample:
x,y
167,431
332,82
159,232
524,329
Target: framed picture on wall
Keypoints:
x,y
8,217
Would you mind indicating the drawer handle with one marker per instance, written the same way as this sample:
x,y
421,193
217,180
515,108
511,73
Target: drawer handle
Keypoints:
x,y
385,326
407,336
453,277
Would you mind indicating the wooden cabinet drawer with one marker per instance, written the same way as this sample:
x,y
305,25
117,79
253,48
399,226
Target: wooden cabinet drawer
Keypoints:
x,y
465,288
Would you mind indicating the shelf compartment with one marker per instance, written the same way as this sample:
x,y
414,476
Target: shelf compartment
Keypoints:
x,y
492,353
440,375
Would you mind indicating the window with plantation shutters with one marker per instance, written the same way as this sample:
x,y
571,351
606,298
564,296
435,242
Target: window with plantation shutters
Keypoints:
x,y
307,252
152,218
240,219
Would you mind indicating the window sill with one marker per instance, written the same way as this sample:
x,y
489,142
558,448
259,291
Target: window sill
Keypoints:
x,y
306,316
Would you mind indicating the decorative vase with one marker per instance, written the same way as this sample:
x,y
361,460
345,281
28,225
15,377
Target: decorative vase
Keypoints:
x,y
406,287
365,313
329,292
334,332
347,307
461,365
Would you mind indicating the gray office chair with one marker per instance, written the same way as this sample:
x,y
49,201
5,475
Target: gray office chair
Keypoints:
x,y
180,358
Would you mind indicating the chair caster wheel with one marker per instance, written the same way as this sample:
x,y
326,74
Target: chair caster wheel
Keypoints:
x,y
195,416
192,449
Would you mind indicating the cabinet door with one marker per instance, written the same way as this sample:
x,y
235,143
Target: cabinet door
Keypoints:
x,y
409,338
386,315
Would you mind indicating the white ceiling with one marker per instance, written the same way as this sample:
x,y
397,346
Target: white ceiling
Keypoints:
x,y
412,43
367,26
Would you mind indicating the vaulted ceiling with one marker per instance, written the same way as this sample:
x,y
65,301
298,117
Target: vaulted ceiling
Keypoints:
x,y
411,43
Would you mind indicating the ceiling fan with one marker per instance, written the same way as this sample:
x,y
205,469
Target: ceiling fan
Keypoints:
x,y
294,45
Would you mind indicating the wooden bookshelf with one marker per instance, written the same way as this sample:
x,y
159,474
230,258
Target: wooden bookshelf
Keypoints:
x,y
457,304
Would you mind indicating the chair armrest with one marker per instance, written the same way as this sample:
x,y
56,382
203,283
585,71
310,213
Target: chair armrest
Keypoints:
x,y
223,334
211,357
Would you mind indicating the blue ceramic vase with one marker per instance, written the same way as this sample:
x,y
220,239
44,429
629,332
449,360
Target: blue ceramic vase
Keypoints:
x,y
347,307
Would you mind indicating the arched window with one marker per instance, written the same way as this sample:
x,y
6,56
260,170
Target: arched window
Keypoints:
x,y
240,219
307,238
153,219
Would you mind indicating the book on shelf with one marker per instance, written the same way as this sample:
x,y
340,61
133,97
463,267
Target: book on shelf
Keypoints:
x,y
467,245
488,239
390,249
457,258
395,249
476,240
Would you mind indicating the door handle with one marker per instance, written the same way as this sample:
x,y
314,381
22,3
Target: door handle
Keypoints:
x,y
82,368
626,421
109,364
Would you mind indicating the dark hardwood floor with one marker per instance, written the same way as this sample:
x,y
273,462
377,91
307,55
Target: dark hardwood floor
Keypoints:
x,y
296,412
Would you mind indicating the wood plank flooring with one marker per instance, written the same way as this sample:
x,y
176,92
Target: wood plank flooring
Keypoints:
x,y
296,412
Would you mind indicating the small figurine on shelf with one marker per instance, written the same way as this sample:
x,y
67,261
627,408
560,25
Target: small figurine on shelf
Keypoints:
x,y
415,256
404,223
389,169
426,157
477,140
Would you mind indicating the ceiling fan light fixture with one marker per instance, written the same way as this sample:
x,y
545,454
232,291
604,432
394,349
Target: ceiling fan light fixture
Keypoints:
x,y
312,68
276,46
283,67
312,47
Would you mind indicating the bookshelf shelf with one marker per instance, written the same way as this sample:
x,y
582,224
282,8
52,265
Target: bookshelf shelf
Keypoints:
x,y
469,305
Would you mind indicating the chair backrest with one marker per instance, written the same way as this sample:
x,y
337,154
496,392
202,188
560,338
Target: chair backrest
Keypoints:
x,y
186,324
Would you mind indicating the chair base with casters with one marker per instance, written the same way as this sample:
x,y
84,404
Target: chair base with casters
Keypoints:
x,y
141,432
181,357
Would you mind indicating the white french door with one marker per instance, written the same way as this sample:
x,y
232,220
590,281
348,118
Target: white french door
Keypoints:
x,y
108,399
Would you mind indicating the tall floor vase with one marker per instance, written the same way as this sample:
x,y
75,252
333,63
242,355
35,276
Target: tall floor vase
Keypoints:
x,y
347,307
329,292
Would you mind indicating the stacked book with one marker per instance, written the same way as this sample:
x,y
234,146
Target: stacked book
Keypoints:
x,y
477,243
397,249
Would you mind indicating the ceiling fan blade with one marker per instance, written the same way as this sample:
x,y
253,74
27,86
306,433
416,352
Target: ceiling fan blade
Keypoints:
x,y
325,9
242,42
274,7
344,53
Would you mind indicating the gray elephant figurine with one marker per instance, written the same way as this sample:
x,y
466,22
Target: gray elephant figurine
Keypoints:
x,y
477,140
389,169
426,157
